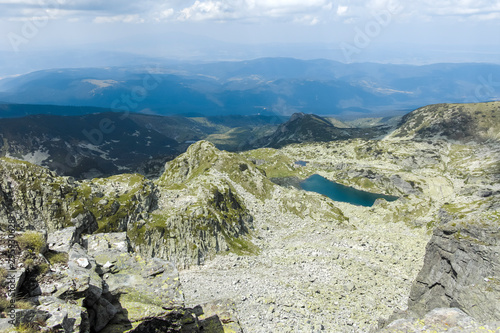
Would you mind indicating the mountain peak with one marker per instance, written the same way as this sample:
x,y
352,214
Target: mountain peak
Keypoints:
x,y
463,122
296,116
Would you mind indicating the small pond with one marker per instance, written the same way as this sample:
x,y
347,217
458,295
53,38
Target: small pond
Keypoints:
x,y
338,192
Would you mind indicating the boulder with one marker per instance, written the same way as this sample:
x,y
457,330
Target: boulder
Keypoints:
x,y
70,317
17,277
461,269
402,185
28,316
145,287
220,313
101,313
102,242
85,223
82,283
63,240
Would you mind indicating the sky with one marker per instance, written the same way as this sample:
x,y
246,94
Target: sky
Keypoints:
x,y
395,31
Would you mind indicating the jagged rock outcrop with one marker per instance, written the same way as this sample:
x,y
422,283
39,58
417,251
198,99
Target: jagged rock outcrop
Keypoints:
x,y
461,269
183,227
102,286
200,213
33,197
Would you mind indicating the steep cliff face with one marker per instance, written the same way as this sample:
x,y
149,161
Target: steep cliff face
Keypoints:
x,y
462,270
191,213
115,202
200,213
34,197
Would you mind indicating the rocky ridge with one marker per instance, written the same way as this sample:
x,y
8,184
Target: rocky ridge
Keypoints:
x,y
217,215
95,283
460,122
302,128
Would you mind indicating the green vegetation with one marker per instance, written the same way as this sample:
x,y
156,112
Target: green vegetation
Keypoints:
x,y
55,258
31,241
29,264
111,208
273,162
241,246
20,304
29,328
4,303
3,275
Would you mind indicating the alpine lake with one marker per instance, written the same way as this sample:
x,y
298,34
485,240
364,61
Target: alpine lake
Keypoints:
x,y
339,192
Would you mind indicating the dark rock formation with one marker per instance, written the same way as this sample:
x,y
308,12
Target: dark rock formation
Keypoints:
x,y
302,128
462,270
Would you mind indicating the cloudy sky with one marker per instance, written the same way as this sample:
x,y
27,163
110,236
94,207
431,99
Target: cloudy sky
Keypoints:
x,y
417,31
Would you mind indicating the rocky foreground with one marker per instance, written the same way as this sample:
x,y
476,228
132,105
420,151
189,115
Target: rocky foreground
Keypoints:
x,y
214,245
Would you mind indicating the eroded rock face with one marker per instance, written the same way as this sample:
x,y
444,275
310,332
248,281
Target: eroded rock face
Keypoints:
x,y
200,212
102,286
33,197
462,270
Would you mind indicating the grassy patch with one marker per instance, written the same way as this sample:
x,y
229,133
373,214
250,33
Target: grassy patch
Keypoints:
x,y
241,246
4,303
31,240
3,275
55,258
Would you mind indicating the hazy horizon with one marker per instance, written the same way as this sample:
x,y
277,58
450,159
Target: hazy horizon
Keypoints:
x,y
61,33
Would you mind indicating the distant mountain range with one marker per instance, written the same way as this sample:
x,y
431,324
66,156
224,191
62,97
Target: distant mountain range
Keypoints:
x,y
271,86
107,143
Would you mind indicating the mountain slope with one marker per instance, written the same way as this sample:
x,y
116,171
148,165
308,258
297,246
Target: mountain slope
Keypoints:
x,y
107,143
23,110
327,266
463,122
84,146
302,128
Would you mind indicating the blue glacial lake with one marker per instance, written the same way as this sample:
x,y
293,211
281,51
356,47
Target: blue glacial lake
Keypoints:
x,y
338,192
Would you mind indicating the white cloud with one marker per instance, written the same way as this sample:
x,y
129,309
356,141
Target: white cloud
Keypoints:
x,y
473,9
208,10
342,10
297,11
119,18
421,9
308,12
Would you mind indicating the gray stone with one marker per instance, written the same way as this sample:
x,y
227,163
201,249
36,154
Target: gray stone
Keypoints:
x,y
70,317
485,193
16,277
145,287
100,242
402,185
449,317
62,240
5,324
83,262
461,269
27,316
85,223
102,313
